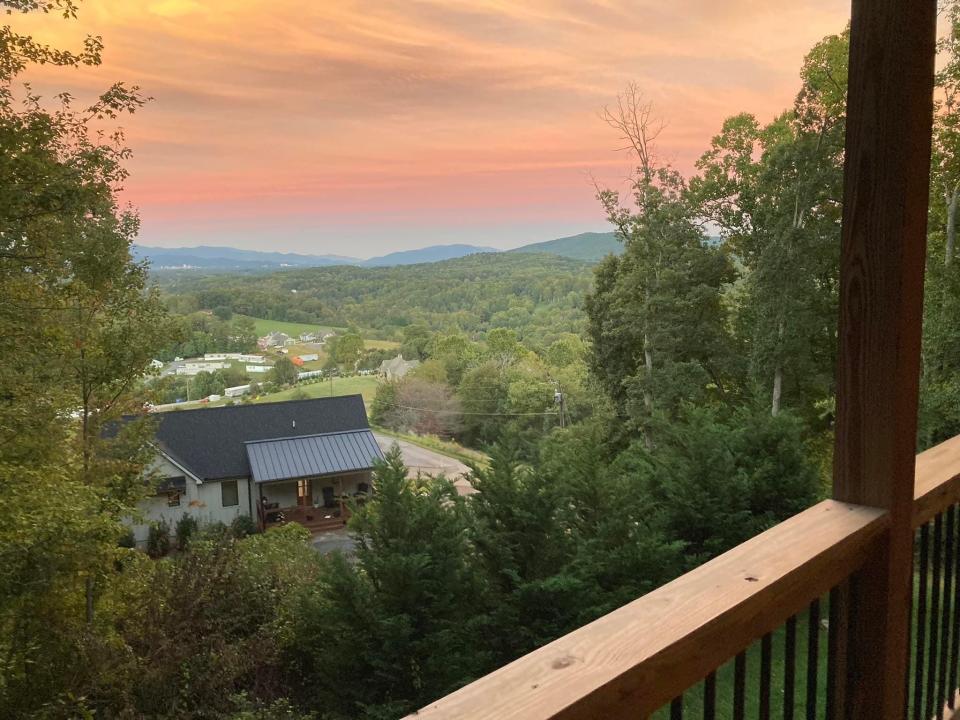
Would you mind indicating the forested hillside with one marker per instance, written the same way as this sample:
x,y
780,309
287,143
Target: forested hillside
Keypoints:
x,y
539,296
589,246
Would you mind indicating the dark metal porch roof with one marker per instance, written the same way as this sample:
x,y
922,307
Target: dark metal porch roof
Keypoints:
x,y
312,455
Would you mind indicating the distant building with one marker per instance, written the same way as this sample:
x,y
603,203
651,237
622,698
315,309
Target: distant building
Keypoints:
x,y
396,368
257,368
273,339
239,357
236,390
310,357
193,368
156,364
308,337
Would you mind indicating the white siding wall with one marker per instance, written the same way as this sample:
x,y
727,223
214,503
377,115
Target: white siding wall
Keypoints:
x,y
203,501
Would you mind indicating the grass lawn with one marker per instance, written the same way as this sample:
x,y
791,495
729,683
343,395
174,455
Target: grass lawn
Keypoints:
x,y
365,385
693,698
292,329
380,344
361,385
303,349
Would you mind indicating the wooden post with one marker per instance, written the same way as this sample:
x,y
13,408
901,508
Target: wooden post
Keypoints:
x,y
886,181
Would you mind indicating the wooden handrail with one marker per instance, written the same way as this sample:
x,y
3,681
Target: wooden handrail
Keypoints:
x,y
637,658
937,481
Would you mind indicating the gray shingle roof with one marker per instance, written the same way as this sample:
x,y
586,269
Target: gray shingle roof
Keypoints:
x,y
312,456
210,443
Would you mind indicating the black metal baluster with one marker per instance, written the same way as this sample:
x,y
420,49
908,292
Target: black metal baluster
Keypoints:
x,y
676,708
710,697
739,686
955,645
766,649
935,591
789,667
813,657
836,653
945,612
918,665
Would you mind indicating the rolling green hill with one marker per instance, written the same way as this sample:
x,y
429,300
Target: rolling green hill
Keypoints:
x,y
588,246
540,295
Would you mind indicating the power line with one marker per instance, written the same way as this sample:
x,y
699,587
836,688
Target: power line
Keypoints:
x,y
458,412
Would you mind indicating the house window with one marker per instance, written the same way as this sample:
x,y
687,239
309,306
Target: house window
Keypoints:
x,y
173,499
229,494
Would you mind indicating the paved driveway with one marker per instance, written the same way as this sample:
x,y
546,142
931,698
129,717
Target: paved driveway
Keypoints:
x,y
331,540
429,462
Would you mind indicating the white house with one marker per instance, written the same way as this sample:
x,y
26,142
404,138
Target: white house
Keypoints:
x,y
396,368
297,461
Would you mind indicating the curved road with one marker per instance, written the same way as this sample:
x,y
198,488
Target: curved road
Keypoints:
x,y
429,462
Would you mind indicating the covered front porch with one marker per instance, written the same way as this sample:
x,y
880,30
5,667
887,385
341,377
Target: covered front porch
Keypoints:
x,y
312,480
320,504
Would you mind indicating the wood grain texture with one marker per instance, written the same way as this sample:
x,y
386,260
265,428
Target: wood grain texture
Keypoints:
x,y
886,184
937,483
637,658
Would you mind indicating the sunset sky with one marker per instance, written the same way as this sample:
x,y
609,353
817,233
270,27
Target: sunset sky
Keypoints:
x,y
358,128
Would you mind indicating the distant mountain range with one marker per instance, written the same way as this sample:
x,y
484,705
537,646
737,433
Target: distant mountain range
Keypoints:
x,y
228,258
434,253
590,247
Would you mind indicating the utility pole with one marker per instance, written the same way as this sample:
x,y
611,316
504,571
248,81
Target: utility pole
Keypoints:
x,y
559,400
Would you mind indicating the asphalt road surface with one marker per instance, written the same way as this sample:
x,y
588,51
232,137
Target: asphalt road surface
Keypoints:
x,y
429,462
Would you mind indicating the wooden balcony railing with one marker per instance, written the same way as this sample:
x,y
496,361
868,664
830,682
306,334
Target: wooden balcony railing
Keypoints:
x,y
647,654
893,630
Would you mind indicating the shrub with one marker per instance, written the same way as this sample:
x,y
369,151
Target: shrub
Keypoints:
x,y
216,531
242,526
187,527
127,540
158,540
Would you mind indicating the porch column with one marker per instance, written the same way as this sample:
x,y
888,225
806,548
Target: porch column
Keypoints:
x,y
886,181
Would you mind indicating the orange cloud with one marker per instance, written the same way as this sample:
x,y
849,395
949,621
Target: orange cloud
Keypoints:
x,y
334,118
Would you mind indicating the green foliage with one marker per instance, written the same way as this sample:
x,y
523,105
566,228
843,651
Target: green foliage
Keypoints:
x,y
284,371
715,482
385,634
656,318
190,631
242,526
186,528
159,543
201,332
539,296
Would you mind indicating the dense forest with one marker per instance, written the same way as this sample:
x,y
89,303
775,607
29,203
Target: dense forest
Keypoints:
x,y
641,416
538,295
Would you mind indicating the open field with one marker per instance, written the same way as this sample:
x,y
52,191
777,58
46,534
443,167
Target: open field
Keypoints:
x,y
361,385
305,349
365,385
293,329
380,344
